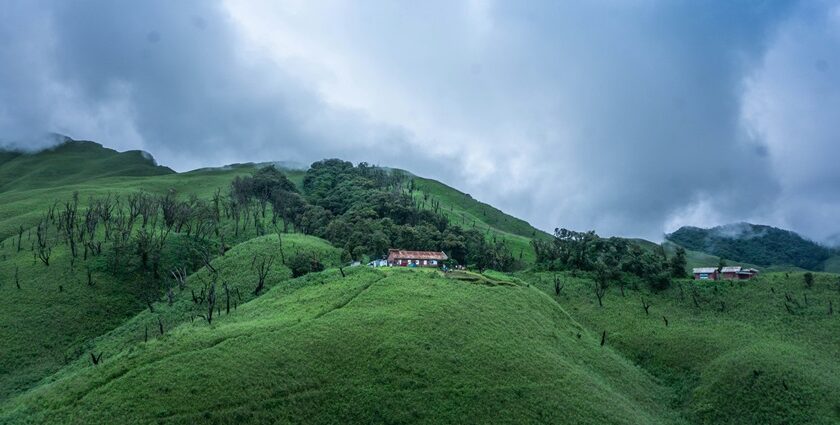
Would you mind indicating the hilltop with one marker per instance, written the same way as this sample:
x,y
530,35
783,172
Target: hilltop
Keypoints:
x,y
62,165
755,244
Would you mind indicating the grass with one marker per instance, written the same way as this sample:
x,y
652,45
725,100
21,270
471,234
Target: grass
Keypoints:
x,y
60,165
53,318
739,357
388,345
461,209
377,346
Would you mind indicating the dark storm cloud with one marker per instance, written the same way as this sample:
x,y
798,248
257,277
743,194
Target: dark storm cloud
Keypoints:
x,y
627,118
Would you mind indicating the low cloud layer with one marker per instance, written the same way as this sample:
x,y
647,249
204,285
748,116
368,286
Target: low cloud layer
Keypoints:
x,y
631,119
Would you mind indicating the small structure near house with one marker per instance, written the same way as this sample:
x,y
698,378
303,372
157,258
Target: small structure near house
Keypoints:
x,y
705,273
738,273
378,263
403,258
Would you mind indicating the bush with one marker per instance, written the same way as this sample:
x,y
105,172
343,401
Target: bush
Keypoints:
x,y
659,281
303,263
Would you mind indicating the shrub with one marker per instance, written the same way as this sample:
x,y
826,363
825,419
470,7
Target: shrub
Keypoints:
x,y
303,263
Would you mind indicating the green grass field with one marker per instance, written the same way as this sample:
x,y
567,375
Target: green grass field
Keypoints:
x,y
377,346
362,345
737,356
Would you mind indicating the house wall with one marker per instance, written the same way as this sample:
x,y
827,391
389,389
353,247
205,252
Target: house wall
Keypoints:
x,y
405,262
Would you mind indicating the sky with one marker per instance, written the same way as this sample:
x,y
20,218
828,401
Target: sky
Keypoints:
x,y
630,117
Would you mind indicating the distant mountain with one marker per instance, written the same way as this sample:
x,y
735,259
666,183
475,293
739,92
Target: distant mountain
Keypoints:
x,y
755,244
71,162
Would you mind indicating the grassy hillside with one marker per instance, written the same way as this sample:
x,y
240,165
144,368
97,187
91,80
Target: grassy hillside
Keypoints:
x,y
370,345
374,347
51,320
736,355
72,162
461,209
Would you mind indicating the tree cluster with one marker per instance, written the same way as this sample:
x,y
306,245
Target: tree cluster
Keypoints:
x,y
366,210
608,259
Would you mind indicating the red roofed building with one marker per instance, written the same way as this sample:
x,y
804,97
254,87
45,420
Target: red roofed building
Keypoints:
x,y
402,258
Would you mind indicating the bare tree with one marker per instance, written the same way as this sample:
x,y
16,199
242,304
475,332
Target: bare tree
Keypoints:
x,y
646,306
20,237
44,249
180,276
603,338
558,288
227,297
95,359
666,321
211,303
170,296
262,265
17,277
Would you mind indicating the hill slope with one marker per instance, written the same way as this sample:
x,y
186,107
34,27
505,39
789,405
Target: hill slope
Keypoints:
x,y
375,347
756,244
54,316
72,162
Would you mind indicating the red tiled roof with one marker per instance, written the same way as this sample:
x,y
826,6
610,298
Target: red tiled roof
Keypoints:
x,y
399,254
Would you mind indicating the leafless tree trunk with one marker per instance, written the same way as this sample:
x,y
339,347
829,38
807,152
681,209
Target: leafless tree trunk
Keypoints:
x,y
180,276
95,359
558,288
603,338
227,298
646,306
262,267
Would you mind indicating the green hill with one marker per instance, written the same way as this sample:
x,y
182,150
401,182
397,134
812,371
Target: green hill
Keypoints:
x,y
374,347
72,162
50,320
756,244
161,316
762,351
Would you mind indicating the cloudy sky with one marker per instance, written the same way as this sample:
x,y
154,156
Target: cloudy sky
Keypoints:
x,y
628,117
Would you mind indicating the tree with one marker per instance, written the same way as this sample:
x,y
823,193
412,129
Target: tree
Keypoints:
x,y
303,263
808,277
602,281
677,263
262,264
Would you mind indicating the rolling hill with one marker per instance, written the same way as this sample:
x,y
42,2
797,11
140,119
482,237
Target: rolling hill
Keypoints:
x,y
242,334
755,244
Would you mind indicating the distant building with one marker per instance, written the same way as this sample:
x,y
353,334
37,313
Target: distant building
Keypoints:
x,y
378,263
402,258
738,273
706,273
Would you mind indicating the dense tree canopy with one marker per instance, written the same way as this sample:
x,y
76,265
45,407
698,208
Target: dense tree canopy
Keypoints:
x,y
755,244
366,210
607,258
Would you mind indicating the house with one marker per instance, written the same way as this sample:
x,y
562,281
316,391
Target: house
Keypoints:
x,y
403,258
738,272
378,263
705,273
